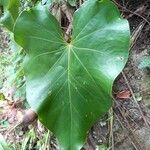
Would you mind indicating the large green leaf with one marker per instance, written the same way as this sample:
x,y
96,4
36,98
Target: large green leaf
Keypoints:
x,y
69,85
11,12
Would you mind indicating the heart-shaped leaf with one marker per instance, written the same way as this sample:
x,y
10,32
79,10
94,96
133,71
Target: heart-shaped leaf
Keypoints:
x,y
69,85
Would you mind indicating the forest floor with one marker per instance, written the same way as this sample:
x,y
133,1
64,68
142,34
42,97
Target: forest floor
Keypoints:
x,y
125,127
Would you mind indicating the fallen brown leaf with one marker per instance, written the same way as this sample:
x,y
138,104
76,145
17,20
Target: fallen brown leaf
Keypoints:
x,y
125,94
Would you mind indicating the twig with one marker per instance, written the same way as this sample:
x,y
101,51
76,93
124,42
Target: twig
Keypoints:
x,y
127,112
136,33
137,148
111,136
129,128
140,9
132,12
133,96
3,129
46,141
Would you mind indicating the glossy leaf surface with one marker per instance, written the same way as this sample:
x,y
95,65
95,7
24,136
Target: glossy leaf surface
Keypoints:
x,y
69,85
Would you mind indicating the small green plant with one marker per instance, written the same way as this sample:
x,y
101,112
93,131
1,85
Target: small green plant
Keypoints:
x,y
145,62
69,82
3,144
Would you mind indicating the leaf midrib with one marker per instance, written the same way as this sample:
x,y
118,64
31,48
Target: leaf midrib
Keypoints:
x,y
69,94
